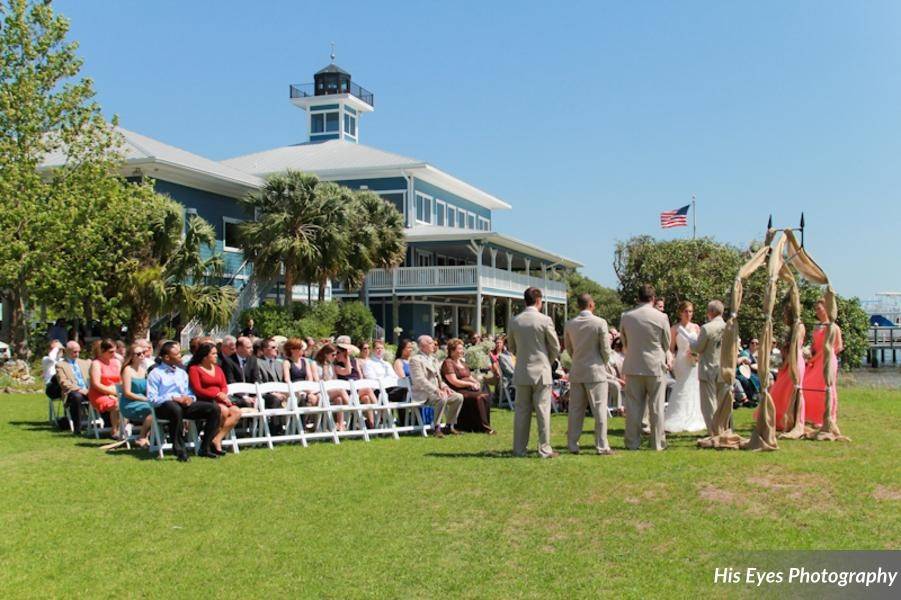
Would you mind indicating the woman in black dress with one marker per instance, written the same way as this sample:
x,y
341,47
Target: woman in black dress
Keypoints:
x,y
475,415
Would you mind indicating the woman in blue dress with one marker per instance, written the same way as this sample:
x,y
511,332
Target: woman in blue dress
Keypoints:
x,y
133,400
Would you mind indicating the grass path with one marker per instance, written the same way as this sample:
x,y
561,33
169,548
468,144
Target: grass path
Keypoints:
x,y
420,517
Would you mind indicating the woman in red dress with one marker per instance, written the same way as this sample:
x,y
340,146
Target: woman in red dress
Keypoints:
x,y
814,377
105,376
209,385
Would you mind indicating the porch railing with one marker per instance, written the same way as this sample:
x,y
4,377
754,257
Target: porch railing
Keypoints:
x,y
465,277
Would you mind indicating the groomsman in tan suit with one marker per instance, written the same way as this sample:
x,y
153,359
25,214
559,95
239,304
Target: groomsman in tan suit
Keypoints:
x,y
533,341
645,333
587,339
707,347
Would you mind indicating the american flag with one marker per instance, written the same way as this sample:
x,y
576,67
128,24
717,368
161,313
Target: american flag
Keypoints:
x,y
675,218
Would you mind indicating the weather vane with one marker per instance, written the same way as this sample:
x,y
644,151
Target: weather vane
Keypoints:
x,y
333,51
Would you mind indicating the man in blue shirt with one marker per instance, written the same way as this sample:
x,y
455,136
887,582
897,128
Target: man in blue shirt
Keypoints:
x,y
169,392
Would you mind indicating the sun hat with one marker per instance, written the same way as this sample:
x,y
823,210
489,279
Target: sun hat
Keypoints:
x,y
343,341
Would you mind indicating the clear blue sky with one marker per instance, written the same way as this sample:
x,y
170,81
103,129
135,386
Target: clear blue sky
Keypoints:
x,y
589,118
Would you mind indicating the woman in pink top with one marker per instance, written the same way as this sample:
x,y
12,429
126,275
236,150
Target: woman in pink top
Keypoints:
x,y
105,375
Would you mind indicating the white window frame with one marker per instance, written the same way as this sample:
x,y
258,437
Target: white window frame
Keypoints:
x,y
424,254
461,213
471,215
353,119
451,221
441,209
429,213
486,222
232,221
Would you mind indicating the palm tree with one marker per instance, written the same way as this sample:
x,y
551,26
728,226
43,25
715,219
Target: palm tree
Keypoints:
x,y
295,229
170,274
376,238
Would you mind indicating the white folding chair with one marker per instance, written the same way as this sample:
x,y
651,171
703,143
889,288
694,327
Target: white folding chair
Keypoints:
x,y
505,398
158,443
256,414
386,423
352,411
383,421
413,411
293,428
319,414
95,422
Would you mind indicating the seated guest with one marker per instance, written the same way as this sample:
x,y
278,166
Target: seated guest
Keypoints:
x,y
616,381
747,376
381,370
311,348
58,332
209,385
169,391
241,367
133,401
148,353
475,415
105,375
325,371
48,369
73,374
402,359
121,351
297,368
227,350
348,368
429,388
249,331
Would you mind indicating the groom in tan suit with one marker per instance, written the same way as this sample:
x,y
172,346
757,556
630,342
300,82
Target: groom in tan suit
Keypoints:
x,y
645,333
707,348
533,341
587,339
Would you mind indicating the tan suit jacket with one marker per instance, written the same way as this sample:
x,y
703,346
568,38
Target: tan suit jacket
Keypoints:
x,y
67,381
587,339
707,347
646,339
425,377
534,342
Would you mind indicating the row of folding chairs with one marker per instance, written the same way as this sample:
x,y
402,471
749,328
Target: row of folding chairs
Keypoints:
x,y
301,422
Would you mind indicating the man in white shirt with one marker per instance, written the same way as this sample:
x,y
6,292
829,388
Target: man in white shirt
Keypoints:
x,y
381,370
48,368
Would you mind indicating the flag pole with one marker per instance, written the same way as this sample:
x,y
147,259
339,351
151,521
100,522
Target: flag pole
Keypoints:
x,y
694,218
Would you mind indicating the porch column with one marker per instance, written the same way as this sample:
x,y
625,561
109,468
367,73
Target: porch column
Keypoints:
x,y
509,261
395,309
432,318
478,249
456,321
528,267
544,291
509,315
492,304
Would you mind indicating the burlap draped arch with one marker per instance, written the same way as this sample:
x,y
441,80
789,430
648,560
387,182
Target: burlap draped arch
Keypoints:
x,y
786,252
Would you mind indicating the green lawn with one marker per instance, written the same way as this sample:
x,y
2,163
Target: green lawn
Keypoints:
x,y
421,517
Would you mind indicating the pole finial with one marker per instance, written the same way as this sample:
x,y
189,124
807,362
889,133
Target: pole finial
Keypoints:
x,y
802,220
333,51
769,224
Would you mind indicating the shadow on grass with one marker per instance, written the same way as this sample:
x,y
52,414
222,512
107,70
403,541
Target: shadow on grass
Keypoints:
x,y
121,452
37,426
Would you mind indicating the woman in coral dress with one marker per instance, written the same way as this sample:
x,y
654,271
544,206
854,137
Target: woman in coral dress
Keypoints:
x,y
783,388
105,376
814,378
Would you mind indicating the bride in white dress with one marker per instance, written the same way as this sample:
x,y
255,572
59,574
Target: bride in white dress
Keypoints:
x,y
683,411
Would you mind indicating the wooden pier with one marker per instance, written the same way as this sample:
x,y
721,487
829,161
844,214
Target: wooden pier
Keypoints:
x,y
884,342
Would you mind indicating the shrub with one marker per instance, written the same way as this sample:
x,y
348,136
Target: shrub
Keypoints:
x,y
270,320
320,320
476,357
356,320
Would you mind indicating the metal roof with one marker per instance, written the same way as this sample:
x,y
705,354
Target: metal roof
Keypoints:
x,y
433,233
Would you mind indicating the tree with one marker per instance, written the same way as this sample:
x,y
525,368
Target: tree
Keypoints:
x,y
170,273
356,320
375,239
44,111
281,240
609,305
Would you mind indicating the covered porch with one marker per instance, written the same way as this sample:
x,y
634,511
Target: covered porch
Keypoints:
x,y
462,282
